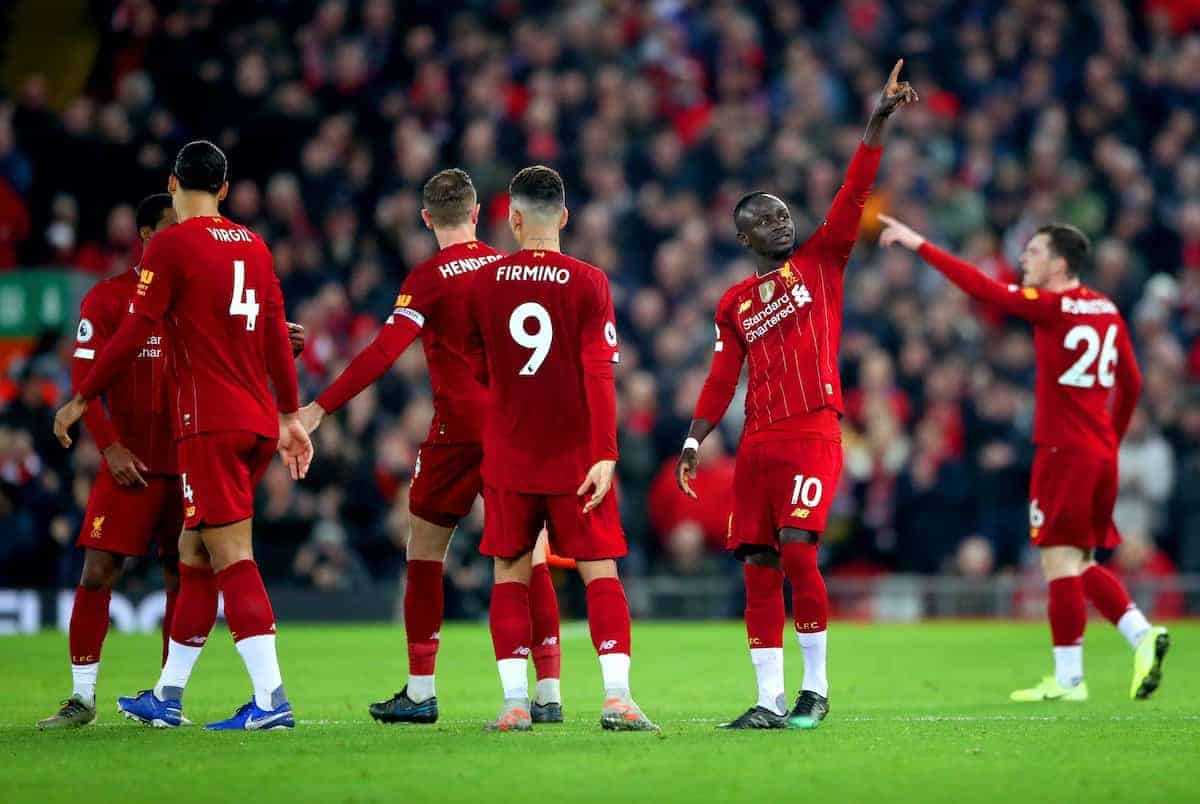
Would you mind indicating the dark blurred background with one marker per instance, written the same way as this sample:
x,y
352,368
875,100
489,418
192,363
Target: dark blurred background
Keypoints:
x,y
659,115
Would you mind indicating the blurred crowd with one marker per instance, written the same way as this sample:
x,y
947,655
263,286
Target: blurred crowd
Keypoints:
x,y
659,116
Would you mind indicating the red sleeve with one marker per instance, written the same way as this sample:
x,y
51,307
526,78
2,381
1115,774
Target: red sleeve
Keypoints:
x,y
371,363
95,329
158,284
837,234
599,354
1035,306
728,355
280,362
1129,385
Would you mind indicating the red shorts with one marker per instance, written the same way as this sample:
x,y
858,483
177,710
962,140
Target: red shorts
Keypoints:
x,y
445,482
788,483
512,521
218,472
127,519
1071,498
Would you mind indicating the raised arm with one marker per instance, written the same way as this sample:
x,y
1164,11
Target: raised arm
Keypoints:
x,y
836,236
728,355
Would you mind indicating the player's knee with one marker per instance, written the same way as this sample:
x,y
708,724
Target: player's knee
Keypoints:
x,y
798,536
594,570
101,570
427,541
512,570
1061,562
763,558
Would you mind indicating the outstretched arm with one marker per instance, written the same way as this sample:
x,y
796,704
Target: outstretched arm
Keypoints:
x,y
1028,303
370,364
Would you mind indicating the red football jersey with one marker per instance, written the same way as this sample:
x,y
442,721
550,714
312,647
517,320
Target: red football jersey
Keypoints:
x,y
788,325
545,324
138,414
212,283
1085,360
432,305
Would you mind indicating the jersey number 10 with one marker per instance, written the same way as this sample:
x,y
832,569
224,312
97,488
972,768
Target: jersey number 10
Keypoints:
x,y
243,302
1080,375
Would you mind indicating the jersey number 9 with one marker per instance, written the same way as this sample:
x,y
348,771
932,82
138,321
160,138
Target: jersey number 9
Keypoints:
x,y
538,340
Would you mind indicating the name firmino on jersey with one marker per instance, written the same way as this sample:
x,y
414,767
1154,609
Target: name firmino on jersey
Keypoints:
x,y
533,273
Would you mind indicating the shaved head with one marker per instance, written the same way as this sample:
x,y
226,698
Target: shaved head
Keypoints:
x,y
764,225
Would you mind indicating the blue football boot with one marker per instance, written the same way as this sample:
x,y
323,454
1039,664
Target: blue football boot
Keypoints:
x,y
249,717
146,707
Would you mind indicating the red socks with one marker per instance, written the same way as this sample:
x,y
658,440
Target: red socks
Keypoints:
x,y
810,600
511,624
543,608
424,602
247,607
764,606
89,624
608,616
195,607
166,623
1106,592
1067,611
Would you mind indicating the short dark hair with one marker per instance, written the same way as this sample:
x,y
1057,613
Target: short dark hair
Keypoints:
x,y
151,209
745,200
1070,243
449,197
201,165
540,186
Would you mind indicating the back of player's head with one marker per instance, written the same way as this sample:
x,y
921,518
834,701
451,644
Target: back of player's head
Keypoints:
x,y
201,165
151,209
449,197
538,190
1070,243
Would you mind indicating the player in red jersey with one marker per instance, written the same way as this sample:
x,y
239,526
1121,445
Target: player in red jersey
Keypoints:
x,y
544,327
136,499
212,282
432,306
1086,390
786,321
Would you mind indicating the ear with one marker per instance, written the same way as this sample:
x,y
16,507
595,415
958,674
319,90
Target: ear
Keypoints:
x,y
224,191
145,233
514,221
741,238
562,222
475,215
427,219
172,184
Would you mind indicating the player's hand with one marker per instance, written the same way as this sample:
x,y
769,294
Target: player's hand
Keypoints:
x,y
897,233
296,338
896,93
124,465
66,416
294,445
311,416
685,471
598,481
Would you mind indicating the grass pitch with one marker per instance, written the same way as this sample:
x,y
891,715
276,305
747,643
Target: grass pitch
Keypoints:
x,y
919,713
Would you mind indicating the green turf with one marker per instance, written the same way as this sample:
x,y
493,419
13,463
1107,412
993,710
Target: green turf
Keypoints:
x,y
920,713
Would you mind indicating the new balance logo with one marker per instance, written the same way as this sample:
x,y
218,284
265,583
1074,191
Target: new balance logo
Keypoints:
x,y
550,641
521,651
608,644
196,640
435,636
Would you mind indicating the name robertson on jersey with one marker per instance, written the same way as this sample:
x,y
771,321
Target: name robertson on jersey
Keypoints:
x,y
770,315
1088,306
533,273
465,265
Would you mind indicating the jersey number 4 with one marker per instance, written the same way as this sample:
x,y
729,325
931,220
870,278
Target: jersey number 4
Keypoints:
x,y
538,340
1080,375
243,302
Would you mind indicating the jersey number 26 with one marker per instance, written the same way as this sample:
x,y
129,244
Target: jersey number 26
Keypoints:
x,y
1080,375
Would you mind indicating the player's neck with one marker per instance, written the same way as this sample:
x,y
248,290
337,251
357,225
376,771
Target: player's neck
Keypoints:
x,y
194,204
765,264
454,235
541,241
1062,285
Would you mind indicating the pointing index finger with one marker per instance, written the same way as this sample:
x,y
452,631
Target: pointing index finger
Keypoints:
x,y
895,73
